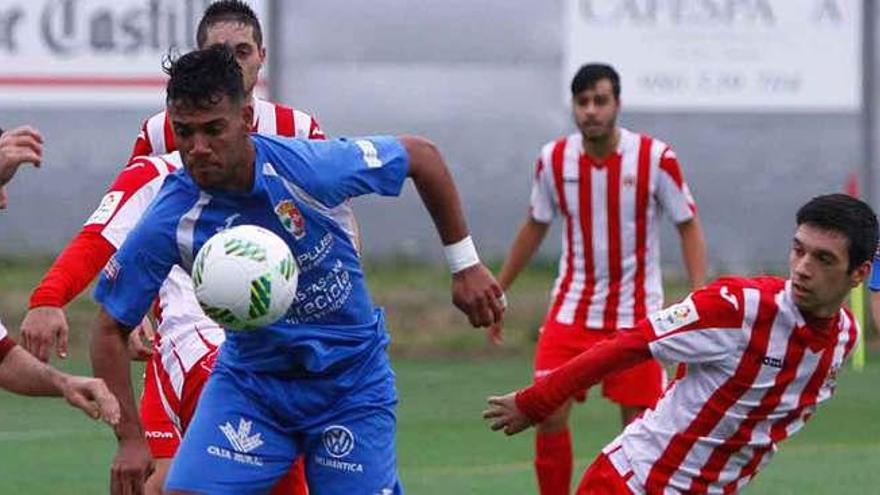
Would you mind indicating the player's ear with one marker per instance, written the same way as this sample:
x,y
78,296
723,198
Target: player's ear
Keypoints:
x,y
860,273
247,114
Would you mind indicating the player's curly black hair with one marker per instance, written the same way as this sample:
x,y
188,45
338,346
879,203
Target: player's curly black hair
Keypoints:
x,y
851,217
201,78
228,11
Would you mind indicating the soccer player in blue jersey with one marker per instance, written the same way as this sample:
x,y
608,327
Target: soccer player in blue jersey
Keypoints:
x,y
318,382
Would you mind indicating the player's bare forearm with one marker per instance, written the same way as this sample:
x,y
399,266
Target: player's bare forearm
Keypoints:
x,y
527,241
693,251
110,361
434,183
22,373
624,350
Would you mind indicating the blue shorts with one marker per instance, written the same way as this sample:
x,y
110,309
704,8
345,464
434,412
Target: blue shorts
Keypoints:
x,y
249,427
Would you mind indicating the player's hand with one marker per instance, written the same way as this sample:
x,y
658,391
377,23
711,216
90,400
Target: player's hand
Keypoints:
x,y
131,467
504,415
92,396
478,295
495,333
42,328
19,146
140,341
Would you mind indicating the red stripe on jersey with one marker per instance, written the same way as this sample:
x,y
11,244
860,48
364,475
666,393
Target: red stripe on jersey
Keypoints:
x,y
615,265
315,131
284,121
142,145
556,162
169,135
585,213
642,197
714,408
711,470
779,430
669,164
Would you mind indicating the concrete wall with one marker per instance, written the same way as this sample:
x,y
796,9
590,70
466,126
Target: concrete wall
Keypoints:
x,y
481,79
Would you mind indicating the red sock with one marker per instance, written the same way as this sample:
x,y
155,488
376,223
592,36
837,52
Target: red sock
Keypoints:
x,y
553,462
294,482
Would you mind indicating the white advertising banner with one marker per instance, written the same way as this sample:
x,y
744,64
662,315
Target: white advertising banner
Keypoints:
x,y
94,52
723,55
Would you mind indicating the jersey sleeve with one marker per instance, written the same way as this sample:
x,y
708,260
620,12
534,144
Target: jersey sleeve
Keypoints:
x,y
339,169
673,192
127,199
131,279
705,327
541,205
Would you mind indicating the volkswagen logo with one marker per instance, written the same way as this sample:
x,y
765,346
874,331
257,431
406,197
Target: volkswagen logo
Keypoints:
x,y
338,440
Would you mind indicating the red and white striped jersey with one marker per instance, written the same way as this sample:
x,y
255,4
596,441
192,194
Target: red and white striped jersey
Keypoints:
x,y
185,333
3,332
757,368
609,270
6,342
157,138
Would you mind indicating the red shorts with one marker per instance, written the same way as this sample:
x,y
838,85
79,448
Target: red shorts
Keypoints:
x,y
164,415
602,479
639,386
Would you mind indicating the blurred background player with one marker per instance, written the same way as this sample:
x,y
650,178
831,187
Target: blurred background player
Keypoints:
x,y
610,185
182,353
761,354
319,381
20,372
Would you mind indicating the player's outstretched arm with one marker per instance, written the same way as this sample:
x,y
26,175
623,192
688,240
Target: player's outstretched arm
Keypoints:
x,y
516,411
474,290
23,374
110,361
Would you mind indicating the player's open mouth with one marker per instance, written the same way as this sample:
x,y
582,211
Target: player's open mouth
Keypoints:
x,y
799,289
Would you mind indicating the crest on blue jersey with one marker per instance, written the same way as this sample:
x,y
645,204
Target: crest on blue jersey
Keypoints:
x,y
291,218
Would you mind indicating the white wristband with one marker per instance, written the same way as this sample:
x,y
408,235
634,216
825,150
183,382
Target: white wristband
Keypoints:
x,y
461,255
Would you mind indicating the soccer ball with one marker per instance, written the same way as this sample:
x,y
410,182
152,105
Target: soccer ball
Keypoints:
x,y
245,277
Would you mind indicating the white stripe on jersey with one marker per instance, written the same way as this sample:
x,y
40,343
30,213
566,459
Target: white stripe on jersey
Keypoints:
x,y
186,230
3,332
156,133
124,216
264,117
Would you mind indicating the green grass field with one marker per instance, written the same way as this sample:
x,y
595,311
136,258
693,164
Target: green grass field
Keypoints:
x,y
444,374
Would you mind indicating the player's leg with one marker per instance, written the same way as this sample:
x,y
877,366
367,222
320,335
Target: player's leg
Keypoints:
x,y
353,449
554,455
234,444
162,435
635,389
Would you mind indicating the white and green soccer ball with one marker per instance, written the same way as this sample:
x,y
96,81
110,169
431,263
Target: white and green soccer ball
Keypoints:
x,y
245,277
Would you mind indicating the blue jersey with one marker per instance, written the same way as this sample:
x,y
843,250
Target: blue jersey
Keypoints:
x,y
874,282
299,192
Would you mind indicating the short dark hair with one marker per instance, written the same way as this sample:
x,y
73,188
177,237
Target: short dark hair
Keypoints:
x,y
201,78
847,215
590,74
228,11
